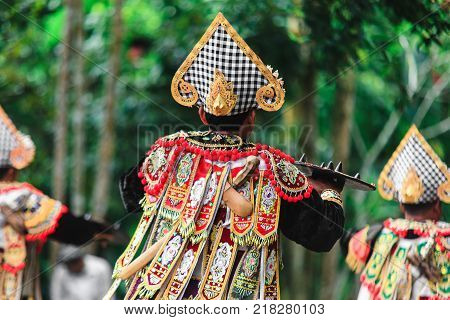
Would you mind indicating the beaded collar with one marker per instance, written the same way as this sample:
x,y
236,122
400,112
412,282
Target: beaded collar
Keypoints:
x,y
401,227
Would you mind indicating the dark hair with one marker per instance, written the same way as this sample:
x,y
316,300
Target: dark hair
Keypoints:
x,y
4,171
226,123
417,209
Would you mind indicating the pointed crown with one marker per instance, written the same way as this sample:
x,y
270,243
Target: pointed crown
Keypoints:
x,y
415,174
16,149
224,76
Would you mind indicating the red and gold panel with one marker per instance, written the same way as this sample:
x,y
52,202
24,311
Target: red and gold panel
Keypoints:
x,y
211,203
266,212
180,184
195,199
241,227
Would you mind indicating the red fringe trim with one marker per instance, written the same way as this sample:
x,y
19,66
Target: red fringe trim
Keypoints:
x,y
11,269
44,234
403,232
181,144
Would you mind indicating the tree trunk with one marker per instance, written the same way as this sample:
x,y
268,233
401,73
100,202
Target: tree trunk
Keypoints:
x,y
79,165
342,118
107,137
304,116
62,106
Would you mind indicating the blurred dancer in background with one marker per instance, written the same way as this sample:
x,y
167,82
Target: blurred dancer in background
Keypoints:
x,y
29,218
407,258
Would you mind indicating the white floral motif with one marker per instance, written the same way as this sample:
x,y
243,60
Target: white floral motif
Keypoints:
x,y
157,160
171,250
221,262
289,170
197,192
182,271
268,198
270,267
212,187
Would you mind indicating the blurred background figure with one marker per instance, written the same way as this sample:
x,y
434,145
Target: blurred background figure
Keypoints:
x,y
79,276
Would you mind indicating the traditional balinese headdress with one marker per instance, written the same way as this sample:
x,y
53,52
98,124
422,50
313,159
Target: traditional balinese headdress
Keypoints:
x,y
225,76
16,149
414,174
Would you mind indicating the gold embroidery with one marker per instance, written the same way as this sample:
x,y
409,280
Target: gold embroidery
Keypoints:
x,y
412,187
187,89
444,190
221,99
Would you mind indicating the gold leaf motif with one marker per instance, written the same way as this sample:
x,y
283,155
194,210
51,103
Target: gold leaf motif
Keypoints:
x,y
444,191
412,187
270,92
221,99
190,94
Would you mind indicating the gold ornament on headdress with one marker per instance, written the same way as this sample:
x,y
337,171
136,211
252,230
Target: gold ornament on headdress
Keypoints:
x,y
412,187
221,99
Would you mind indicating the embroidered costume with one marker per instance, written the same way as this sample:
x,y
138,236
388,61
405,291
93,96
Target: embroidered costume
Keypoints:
x,y
41,217
400,258
207,250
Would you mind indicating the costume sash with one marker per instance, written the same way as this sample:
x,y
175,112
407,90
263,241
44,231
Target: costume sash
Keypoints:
x,y
183,272
220,264
13,264
381,253
195,200
211,203
241,227
180,185
266,215
398,277
270,272
245,283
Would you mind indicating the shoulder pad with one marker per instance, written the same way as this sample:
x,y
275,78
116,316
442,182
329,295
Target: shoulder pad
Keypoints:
x,y
289,182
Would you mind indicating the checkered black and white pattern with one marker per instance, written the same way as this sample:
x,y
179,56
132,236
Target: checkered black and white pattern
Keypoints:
x,y
7,143
414,155
222,53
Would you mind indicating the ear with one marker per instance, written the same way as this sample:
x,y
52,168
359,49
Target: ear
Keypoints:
x,y
252,116
202,114
437,207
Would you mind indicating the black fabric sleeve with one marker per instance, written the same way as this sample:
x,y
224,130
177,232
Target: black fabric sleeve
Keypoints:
x,y
76,230
131,190
345,240
314,223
